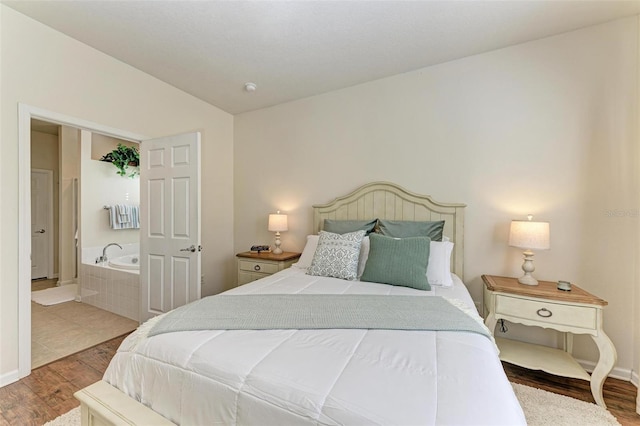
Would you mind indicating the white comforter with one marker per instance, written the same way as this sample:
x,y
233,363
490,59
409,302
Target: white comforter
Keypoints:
x,y
284,377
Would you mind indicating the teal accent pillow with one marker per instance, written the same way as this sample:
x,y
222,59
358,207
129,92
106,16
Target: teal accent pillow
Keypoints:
x,y
345,226
402,262
406,228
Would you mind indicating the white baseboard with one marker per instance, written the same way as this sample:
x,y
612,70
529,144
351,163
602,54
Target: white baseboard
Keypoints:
x,y
617,373
61,283
636,381
8,378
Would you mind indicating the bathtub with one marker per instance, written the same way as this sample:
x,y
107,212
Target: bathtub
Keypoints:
x,y
129,262
115,283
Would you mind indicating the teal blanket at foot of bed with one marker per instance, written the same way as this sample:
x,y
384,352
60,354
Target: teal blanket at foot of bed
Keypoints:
x,y
318,311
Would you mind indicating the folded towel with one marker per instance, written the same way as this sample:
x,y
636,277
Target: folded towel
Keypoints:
x,y
123,214
135,217
113,222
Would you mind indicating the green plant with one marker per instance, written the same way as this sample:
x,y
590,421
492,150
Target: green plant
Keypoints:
x,y
125,157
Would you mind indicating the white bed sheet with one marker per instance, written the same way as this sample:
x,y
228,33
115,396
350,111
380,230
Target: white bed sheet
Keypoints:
x,y
282,377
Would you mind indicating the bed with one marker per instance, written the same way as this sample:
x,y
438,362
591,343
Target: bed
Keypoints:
x,y
342,375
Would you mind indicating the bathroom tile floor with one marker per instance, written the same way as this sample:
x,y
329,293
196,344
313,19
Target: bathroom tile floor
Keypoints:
x,y
66,328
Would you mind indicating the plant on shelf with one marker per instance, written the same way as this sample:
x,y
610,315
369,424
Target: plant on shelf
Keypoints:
x,y
126,159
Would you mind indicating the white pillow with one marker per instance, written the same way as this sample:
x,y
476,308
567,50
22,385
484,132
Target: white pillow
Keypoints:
x,y
337,255
307,254
439,267
364,255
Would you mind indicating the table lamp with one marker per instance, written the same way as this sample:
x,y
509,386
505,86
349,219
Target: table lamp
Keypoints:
x,y
529,235
277,223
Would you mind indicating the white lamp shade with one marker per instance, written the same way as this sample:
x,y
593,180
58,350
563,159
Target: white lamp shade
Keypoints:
x,y
278,222
529,235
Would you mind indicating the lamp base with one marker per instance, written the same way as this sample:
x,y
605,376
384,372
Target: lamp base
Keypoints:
x,y
277,250
527,280
528,268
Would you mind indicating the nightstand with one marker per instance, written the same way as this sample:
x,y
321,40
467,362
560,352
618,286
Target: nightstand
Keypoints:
x,y
571,312
253,266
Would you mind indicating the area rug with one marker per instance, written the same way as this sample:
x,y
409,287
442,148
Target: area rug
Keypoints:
x,y
71,418
55,295
546,408
541,408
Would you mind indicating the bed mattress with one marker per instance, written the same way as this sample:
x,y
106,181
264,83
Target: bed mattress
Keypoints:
x,y
282,377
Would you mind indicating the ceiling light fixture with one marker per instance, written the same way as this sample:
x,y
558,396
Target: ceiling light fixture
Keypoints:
x,y
250,87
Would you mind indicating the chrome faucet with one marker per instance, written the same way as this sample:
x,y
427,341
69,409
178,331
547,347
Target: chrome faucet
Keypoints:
x,y
103,258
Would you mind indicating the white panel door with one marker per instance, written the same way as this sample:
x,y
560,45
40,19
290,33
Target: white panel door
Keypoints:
x,y
41,210
170,223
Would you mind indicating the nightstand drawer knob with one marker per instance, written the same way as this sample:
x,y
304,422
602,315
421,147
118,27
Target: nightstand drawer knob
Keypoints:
x,y
544,312
256,268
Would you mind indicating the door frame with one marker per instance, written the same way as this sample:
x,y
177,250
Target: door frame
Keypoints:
x,y
50,246
25,114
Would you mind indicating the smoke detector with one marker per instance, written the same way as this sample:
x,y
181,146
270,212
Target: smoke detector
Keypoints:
x,y
250,87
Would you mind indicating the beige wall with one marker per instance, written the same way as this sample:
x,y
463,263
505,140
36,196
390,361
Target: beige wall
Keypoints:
x,y
547,127
69,196
101,186
79,81
102,145
44,155
636,316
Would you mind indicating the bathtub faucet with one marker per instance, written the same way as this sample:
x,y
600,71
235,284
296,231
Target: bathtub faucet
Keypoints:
x,y
103,258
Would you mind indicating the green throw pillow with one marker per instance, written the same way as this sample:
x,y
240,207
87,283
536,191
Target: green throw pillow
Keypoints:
x,y
345,226
407,228
402,262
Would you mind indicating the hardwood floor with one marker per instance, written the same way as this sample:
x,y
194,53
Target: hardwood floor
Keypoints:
x,y
48,391
619,395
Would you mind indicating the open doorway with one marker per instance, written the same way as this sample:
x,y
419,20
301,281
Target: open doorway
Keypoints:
x,y
62,323
26,114
168,159
54,204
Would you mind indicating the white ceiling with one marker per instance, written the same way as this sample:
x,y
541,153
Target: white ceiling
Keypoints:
x,y
295,49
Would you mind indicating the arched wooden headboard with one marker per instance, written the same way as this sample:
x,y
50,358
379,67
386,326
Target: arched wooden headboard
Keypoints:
x,y
384,200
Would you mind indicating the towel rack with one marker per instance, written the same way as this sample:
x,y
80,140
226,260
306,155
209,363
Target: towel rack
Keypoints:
x,y
106,207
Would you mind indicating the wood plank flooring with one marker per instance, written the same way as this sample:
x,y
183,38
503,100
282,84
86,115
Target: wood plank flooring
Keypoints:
x,y
48,391
619,395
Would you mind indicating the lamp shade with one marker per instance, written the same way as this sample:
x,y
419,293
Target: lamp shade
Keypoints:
x,y
278,222
527,234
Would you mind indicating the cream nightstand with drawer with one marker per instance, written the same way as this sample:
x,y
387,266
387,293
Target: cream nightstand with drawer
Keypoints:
x,y
253,266
571,312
